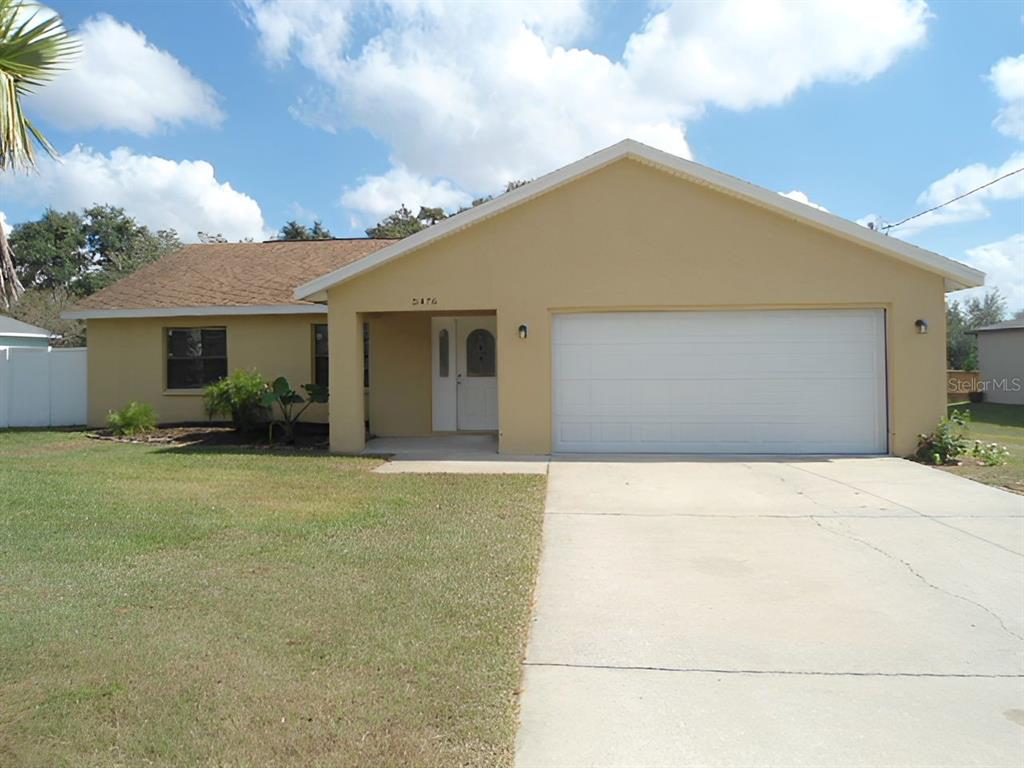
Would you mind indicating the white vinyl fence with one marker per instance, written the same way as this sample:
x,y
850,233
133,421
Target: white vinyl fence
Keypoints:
x,y
42,387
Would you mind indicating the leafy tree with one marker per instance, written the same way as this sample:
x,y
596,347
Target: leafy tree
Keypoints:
x,y
118,245
958,342
33,51
63,256
961,345
429,216
51,251
207,238
399,224
989,309
293,230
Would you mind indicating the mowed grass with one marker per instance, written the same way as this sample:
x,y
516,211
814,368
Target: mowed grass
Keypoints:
x,y
252,608
995,423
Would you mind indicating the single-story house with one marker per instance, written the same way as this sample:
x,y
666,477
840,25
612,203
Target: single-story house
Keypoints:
x,y
14,333
632,301
1001,361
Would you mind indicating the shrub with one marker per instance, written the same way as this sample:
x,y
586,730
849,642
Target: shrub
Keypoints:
x,y
976,397
990,454
946,442
238,396
285,398
134,419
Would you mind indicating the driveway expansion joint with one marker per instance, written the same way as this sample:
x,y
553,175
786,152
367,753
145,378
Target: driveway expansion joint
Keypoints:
x,y
785,672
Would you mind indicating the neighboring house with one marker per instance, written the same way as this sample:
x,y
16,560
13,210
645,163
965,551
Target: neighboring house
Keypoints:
x,y
632,301
1001,361
14,333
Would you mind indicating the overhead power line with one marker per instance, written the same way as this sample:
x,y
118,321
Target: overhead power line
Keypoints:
x,y
943,205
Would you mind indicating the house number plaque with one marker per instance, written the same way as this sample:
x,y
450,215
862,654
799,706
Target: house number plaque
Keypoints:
x,y
419,301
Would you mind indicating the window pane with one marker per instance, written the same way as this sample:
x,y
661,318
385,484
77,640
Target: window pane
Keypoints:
x,y
480,356
320,372
184,374
320,340
442,353
184,343
214,343
214,369
366,354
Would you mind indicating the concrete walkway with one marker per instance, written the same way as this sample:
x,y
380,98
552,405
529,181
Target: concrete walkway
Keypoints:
x,y
844,612
450,454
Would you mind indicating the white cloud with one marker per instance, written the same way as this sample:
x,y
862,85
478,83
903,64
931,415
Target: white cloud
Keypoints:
x,y
800,197
122,81
1007,78
484,93
752,53
970,208
1003,265
160,193
377,196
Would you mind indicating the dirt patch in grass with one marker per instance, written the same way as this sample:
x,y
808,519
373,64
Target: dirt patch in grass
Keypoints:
x,y
307,437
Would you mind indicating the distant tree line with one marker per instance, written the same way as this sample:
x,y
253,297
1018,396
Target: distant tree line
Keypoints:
x,y
61,257
64,256
961,319
404,222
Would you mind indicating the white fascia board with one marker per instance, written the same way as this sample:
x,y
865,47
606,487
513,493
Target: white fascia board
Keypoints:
x,y
266,309
956,275
25,335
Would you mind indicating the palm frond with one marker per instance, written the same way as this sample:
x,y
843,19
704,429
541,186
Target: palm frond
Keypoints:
x,y
34,48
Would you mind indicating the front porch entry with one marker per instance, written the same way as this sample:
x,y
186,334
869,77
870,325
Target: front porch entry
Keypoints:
x,y
464,382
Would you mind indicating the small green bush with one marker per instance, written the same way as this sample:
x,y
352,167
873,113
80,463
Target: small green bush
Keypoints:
x,y
946,442
281,394
240,397
134,419
990,454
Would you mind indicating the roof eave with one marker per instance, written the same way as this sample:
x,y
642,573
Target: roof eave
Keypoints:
x,y
197,311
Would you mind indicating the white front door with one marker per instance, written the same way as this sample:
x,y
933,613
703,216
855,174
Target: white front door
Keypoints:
x,y
465,379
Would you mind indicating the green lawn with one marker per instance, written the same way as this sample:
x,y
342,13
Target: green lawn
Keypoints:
x,y
993,423
163,606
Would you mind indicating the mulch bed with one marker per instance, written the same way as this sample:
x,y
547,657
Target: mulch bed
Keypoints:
x,y
307,437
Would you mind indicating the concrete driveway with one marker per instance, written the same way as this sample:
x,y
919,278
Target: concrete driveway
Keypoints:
x,y
844,612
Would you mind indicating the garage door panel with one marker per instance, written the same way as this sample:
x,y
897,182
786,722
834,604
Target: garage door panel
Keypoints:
x,y
792,381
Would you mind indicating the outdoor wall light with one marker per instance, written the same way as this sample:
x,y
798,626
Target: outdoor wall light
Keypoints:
x,y
922,326
523,330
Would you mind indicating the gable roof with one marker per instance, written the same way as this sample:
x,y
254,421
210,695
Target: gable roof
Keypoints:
x,y
956,275
11,327
1007,325
224,279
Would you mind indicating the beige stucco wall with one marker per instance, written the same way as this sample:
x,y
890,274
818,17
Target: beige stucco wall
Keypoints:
x,y
632,237
1001,363
127,361
399,401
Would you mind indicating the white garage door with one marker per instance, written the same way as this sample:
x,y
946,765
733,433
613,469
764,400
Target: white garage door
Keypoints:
x,y
779,381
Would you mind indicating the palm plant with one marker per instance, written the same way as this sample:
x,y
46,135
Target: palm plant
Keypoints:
x,y
34,48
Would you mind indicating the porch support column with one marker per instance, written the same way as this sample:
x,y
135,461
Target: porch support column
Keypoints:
x,y
345,346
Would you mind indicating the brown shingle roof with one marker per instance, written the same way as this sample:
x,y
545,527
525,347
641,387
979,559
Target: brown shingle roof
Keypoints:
x,y
230,274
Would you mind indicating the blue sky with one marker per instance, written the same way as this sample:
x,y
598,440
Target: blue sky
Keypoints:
x,y
268,110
